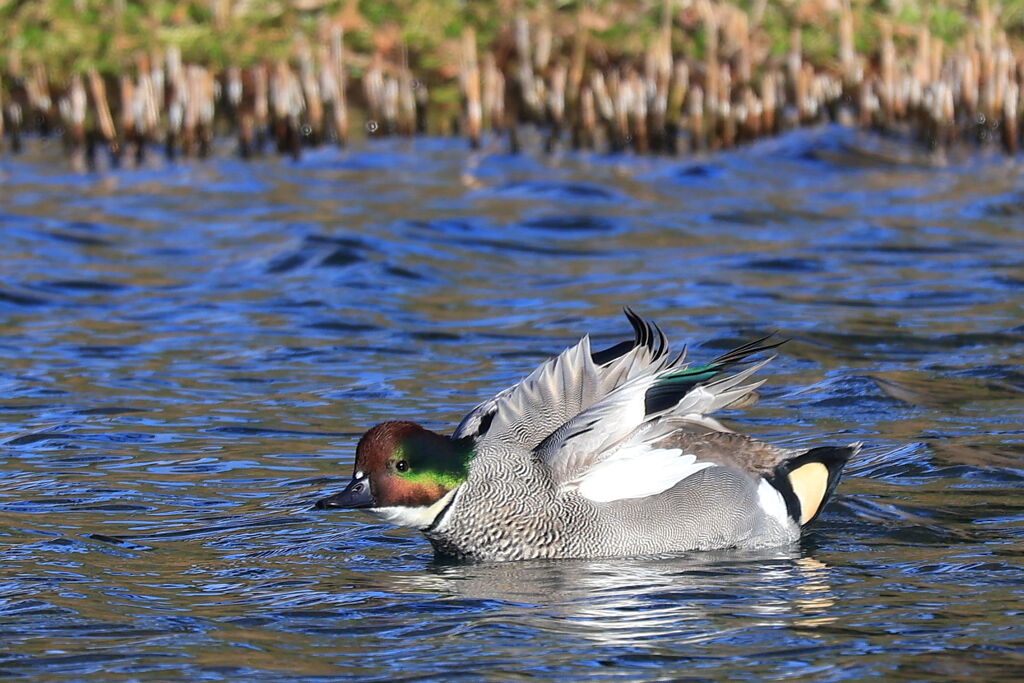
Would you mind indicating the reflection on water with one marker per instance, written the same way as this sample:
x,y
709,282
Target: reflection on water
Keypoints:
x,y
188,355
639,602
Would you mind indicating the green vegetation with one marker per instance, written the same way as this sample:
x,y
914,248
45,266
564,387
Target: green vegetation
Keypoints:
x,y
69,36
645,74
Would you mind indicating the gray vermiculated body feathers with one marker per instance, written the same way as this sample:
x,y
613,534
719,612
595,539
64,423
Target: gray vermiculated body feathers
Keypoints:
x,y
509,509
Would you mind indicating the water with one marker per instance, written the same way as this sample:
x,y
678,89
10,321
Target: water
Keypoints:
x,y
189,354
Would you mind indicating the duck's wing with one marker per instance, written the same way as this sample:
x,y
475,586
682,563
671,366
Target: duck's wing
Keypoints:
x,y
565,385
623,432
651,434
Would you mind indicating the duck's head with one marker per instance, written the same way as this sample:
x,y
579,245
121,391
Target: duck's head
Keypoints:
x,y
402,474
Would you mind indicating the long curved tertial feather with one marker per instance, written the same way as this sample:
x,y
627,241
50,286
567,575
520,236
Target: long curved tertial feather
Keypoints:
x,y
671,387
624,422
566,385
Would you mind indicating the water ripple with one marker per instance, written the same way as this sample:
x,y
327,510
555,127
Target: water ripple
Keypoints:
x,y
192,351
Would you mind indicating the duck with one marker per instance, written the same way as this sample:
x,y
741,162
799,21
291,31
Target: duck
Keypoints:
x,y
595,454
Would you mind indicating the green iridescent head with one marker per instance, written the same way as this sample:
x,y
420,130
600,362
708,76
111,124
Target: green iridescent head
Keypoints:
x,y
401,464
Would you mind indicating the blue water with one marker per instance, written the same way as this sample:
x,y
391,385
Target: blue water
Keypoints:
x,y
188,354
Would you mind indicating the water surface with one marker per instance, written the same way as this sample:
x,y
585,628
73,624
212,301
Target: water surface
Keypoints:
x,y
189,353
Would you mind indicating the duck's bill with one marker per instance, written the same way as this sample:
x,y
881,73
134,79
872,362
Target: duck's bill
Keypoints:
x,y
356,495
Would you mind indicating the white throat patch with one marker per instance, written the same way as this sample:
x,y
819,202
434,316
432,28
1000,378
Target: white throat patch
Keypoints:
x,y
415,516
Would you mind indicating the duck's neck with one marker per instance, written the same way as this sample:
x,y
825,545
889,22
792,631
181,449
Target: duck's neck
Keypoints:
x,y
415,516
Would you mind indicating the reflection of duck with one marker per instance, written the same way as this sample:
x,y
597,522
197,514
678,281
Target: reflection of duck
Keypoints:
x,y
639,601
814,597
597,454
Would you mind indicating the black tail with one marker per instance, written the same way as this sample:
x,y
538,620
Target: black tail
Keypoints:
x,y
807,481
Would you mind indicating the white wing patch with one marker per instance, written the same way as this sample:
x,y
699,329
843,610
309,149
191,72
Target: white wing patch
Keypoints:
x,y
636,472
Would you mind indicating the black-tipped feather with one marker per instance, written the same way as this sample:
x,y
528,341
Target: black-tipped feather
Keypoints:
x,y
740,353
641,330
645,333
606,356
662,340
485,422
673,387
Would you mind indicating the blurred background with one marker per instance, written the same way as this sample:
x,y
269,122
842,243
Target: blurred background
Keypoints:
x,y
117,82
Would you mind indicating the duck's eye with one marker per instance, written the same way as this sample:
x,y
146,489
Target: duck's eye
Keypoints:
x,y
401,466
